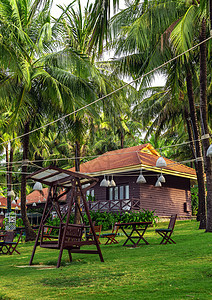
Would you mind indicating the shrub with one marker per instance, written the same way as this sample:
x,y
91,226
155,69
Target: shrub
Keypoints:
x,y
108,219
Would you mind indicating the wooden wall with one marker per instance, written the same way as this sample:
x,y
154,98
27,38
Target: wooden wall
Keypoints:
x,y
173,197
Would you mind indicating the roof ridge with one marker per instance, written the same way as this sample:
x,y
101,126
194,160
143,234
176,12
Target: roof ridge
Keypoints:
x,y
123,149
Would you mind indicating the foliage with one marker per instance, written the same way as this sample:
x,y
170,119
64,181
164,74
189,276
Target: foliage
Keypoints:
x,y
194,200
90,198
108,219
19,222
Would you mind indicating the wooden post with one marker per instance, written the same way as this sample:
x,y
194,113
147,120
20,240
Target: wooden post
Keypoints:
x,y
66,224
41,224
90,221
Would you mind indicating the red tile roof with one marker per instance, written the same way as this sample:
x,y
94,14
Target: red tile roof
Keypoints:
x,y
36,196
130,158
3,203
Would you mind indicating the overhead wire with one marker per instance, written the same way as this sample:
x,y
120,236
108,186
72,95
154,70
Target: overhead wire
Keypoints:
x,y
109,94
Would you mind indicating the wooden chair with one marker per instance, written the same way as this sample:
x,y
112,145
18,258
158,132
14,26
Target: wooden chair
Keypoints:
x,y
97,229
8,246
111,236
166,233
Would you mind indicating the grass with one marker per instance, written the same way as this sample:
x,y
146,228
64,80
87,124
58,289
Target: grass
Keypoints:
x,y
181,271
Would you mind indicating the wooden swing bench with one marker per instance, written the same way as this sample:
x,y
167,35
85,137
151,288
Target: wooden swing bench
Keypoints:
x,y
73,238
69,236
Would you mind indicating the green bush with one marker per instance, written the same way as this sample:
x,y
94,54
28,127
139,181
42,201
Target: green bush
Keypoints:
x,y
108,219
19,222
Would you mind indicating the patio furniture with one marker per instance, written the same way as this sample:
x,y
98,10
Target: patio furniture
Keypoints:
x,y
137,232
167,232
8,246
97,229
69,236
111,236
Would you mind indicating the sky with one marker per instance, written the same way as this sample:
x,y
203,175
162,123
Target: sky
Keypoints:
x,y
159,79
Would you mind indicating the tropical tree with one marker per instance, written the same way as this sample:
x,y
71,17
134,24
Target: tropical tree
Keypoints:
x,y
196,21
145,45
40,82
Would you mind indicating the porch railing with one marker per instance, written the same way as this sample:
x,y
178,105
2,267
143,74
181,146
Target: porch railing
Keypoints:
x,y
111,205
114,205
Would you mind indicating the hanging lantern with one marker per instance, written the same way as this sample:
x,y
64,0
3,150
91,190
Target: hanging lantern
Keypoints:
x,y
34,204
112,182
161,178
158,183
141,178
37,186
108,182
209,151
161,163
11,193
104,182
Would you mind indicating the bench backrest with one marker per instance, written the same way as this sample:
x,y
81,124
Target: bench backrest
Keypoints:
x,y
116,228
172,222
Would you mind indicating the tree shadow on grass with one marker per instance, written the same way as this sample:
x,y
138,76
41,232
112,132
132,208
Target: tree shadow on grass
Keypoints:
x,y
77,281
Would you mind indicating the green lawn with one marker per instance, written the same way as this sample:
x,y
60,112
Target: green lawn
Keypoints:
x,y
181,271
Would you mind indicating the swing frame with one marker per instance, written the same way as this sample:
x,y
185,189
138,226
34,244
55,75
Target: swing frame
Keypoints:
x,y
70,235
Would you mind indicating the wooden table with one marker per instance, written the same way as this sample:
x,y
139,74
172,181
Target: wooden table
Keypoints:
x,y
138,228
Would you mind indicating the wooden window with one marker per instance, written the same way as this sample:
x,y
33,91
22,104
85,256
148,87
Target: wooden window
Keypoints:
x,y
90,195
111,193
120,192
116,193
127,192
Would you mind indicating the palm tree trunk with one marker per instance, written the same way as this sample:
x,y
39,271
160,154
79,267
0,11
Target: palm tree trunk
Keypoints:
x,y
198,150
30,234
8,180
204,123
122,140
190,135
77,214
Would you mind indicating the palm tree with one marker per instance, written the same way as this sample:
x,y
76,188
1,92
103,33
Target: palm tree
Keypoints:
x,y
196,22
147,45
38,80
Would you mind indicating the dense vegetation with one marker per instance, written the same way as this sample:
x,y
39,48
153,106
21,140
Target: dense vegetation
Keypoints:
x,y
107,220
52,67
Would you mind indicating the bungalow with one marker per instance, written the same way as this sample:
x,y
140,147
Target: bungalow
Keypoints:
x,y
121,192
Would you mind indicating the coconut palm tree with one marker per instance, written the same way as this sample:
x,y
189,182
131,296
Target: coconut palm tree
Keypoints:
x,y
196,22
147,45
35,79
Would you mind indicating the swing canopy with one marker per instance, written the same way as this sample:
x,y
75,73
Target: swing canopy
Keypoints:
x,y
52,176
73,184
